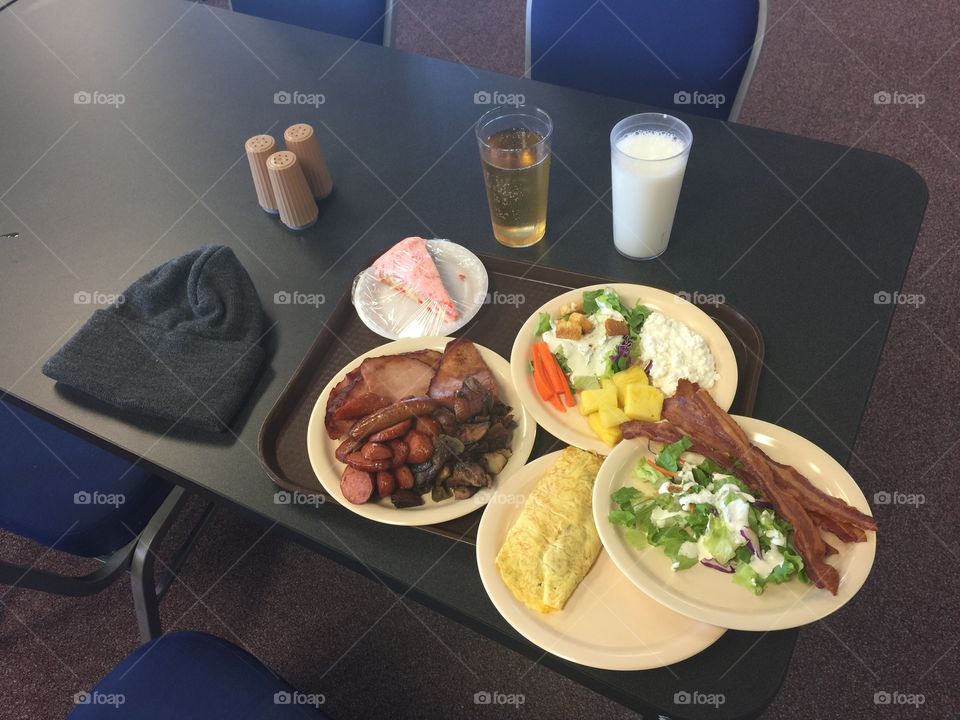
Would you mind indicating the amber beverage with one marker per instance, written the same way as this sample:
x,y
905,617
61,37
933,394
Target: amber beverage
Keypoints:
x,y
515,155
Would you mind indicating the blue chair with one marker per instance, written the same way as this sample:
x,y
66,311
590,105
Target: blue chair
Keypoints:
x,y
71,496
193,676
694,56
367,20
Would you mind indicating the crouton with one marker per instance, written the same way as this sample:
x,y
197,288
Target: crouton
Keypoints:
x,y
615,327
570,307
568,330
581,319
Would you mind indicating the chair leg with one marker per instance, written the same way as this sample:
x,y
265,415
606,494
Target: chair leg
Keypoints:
x,y
146,590
72,586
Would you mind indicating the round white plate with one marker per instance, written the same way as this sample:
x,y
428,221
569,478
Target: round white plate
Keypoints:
x,y
607,623
570,426
711,596
394,316
328,469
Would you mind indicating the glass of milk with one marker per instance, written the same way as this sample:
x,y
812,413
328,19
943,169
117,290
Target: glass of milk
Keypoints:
x,y
648,154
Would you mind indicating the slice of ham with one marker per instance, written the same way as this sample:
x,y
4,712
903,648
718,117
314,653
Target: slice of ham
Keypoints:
x,y
379,381
461,360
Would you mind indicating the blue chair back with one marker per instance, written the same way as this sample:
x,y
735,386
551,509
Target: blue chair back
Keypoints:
x,y
687,55
367,20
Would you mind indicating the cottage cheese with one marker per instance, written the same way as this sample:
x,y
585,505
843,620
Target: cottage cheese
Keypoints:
x,y
675,352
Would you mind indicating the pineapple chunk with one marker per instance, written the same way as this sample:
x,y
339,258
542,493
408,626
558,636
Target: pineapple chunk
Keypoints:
x,y
610,436
642,402
633,374
612,417
592,400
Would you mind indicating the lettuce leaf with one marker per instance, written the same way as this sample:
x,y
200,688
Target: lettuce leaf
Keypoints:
x,y
543,324
669,456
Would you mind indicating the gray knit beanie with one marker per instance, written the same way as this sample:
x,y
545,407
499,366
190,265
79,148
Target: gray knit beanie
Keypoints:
x,y
183,345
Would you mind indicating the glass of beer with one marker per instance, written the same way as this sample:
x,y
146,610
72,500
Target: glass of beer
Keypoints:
x,y
515,154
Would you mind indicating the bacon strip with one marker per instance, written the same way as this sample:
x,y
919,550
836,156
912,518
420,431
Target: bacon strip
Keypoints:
x,y
692,412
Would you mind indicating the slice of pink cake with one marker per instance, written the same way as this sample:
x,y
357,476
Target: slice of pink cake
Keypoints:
x,y
409,268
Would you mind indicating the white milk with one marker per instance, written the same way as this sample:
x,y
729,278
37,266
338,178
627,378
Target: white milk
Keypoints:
x,y
647,173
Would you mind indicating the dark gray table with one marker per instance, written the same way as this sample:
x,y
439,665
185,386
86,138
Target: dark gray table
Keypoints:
x,y
799,234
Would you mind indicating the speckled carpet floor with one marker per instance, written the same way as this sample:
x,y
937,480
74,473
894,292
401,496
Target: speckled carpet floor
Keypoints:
x,y
821,65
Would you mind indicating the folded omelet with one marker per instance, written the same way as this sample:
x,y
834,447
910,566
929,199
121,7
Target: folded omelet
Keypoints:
x,y
554,542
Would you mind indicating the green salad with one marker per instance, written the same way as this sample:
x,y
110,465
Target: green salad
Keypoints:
x,y
704,514
593,351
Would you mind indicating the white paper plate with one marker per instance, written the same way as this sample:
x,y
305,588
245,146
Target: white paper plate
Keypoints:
x,y
395,316
328,469
711,596
570,426
607,623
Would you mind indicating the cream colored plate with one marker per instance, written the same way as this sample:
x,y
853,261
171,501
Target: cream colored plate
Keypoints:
x,y
712,596
328,469
607,623
570,426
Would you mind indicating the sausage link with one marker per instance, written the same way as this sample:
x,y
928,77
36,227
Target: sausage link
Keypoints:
x,y
392,414
386,483
421,447
393,432
401,451
404,477
358,461
376,451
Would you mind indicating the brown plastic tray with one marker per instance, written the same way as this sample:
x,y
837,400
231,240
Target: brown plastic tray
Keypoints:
x,y
282,442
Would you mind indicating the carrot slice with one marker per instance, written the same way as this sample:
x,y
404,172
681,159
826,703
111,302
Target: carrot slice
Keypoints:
x,y
557,378
652,464
540,378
